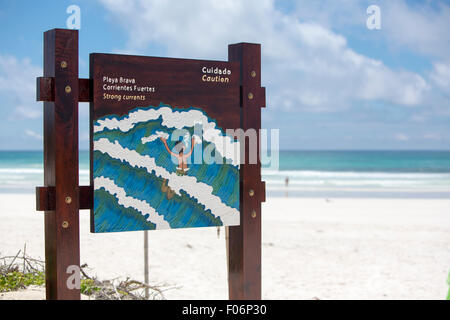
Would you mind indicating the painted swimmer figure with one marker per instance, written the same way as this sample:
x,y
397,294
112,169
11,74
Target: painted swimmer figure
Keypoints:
x,y
181,157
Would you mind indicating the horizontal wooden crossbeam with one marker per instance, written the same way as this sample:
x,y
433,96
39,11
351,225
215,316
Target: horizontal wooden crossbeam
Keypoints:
x,y
46,198
259,190
45,89
259,93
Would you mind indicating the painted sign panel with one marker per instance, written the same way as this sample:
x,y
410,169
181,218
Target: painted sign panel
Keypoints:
x,y
161,157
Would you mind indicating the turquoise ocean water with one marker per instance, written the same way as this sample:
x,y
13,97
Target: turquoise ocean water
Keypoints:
x,y
424,174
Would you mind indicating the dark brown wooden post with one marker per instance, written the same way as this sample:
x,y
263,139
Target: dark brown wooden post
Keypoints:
x,y
62,244
244,241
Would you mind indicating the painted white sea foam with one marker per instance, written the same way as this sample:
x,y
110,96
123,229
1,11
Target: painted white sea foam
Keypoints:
x,y
160,134
199,190
130,202
153,137
225,145
197,139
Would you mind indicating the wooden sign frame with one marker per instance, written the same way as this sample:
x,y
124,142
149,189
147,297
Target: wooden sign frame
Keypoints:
x,y
61,197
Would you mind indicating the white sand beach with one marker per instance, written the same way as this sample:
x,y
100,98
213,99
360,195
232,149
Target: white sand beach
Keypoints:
x,y
312,248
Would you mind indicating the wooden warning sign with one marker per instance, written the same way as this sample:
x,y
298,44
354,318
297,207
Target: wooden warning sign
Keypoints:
x,y
161,156
161,153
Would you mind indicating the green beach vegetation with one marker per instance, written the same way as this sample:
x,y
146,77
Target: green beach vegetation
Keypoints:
x,y
21,271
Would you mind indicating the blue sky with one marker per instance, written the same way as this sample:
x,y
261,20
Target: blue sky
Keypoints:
x,y
331,82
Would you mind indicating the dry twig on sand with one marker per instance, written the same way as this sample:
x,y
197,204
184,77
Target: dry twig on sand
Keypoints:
x,y
23,270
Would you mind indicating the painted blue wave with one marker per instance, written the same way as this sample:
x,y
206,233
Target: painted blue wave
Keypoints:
x,y
111,217
179,211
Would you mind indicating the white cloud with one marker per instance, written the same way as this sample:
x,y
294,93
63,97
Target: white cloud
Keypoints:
x,y
341,12
305,64
419,118
33,134
420,26
18,84
432,136
441,76
401,137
